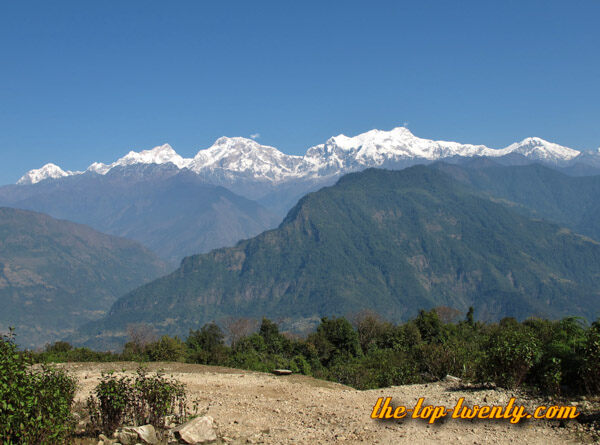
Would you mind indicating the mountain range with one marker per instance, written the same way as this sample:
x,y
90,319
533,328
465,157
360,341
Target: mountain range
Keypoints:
x,y
56,275
174,213
237,188
237,158
390,241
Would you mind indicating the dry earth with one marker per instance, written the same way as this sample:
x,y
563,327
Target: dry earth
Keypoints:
x,y
251,407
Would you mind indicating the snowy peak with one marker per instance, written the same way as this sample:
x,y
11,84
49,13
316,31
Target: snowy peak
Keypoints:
x,y
539,149
48,171
246,156
162,154
375,148
231,158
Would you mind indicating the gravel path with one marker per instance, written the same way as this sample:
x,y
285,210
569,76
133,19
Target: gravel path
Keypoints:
x,y
250,407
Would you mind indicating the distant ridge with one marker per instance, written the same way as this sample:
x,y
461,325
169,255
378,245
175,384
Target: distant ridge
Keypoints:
x,y
56,275
390,241
238,156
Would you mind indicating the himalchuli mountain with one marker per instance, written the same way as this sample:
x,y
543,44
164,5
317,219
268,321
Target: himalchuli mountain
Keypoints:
x,y
391,241
56,275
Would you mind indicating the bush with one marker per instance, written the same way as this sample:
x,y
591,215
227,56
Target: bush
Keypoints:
x,y
167,349
591,358
35,405
207,346
512,351
121,400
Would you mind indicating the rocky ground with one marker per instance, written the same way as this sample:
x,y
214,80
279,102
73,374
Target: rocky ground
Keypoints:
x,y
250,407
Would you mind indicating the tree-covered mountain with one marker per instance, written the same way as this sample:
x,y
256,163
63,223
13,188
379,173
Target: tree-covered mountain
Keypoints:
x,y
56,275
391,241
536,190
173,213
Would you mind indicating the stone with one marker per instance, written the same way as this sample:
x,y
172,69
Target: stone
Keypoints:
x,y
451,378
126,436
146,434
197,431
282,372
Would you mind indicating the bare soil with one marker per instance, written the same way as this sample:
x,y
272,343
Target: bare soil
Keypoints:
x,y
252,407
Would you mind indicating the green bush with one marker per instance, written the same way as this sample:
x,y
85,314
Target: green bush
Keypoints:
x,y
120,400
167,349
512,351
591,359
35,405
207,345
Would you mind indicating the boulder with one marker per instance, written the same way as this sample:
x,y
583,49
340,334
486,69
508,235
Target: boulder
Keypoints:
x,y
146,434
126,436
197,431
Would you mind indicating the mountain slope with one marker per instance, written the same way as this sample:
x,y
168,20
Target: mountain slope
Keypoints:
x,y
538,191
172,212
392,241
56,275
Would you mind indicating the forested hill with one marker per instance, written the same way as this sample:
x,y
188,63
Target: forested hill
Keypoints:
x,y
56,275
392,241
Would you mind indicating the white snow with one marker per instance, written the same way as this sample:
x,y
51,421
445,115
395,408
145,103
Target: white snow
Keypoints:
x,y
48,171
539,149
234,156
241,155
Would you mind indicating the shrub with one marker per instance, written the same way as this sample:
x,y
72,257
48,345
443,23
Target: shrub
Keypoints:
x,y
113,404
591,359
207,346
512,351
35,405
167,349
141,400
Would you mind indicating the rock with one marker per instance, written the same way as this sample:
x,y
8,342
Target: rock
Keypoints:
x,y
198,430
451,378
282,372
146,434
126,436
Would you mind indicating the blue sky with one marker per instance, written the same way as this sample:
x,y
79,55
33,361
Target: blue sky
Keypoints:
x,y
83,81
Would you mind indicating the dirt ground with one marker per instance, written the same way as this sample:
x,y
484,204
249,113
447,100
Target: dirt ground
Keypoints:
x,y
251,407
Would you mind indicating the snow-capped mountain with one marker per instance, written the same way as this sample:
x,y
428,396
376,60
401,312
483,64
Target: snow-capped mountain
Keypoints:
x,y
163,154
540,150
48,171
237,157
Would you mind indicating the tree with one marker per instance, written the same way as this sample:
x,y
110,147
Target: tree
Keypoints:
x,y
335,339
206,345
275,342
370,328
239,328
140,335
167,349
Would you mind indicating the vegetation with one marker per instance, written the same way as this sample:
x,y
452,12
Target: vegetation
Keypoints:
x,y
57,274
551,357
389,241
146,399
35,404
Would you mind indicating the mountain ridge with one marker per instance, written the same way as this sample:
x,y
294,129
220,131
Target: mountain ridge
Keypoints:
x,y
56,274
231,156
390,241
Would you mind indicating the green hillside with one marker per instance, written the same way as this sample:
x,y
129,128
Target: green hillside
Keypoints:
x,y
538,191
56,275
392,241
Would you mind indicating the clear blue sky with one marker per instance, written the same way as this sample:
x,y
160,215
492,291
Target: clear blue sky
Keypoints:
x,y
89,80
